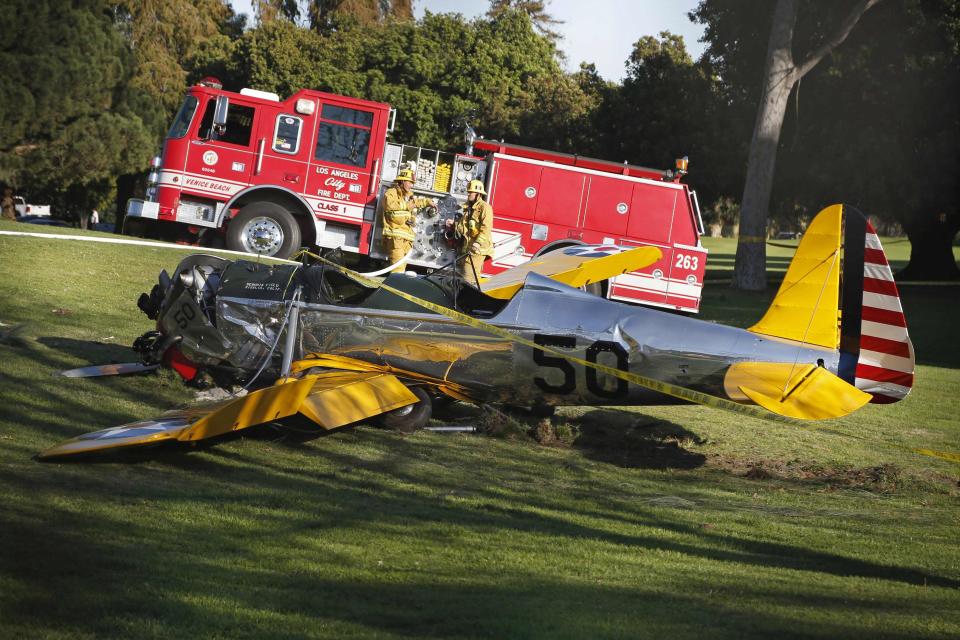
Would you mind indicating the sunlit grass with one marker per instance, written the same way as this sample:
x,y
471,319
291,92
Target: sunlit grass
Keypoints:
x,y
657,522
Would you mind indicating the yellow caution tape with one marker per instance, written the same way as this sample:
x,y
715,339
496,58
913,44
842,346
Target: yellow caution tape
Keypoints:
x,y
666,388
933,453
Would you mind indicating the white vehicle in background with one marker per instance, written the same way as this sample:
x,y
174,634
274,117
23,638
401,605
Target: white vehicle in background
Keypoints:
x,y
24,209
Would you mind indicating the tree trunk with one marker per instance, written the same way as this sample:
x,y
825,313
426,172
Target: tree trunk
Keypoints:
x,y
750,270
125,186
931,249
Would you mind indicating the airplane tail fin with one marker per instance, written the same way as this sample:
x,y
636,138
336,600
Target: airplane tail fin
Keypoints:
x,y
839,293
875,349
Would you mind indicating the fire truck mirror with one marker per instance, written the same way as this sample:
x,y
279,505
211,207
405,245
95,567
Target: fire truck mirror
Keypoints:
x,y
220,114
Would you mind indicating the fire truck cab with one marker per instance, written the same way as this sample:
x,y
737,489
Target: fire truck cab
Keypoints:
x,y
263,175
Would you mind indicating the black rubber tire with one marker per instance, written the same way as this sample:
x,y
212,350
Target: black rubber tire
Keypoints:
x,y
276,217
412,417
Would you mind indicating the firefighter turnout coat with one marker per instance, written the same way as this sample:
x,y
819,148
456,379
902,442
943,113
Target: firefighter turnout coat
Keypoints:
x,y
475,227
398,213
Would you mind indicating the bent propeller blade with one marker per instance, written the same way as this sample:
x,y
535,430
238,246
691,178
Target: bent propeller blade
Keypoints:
x,y
99,370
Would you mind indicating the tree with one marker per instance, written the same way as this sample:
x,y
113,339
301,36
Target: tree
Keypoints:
x,y
893,78
434,71
267,11
536,10
163,35
867,126
326,15
781,74
68,120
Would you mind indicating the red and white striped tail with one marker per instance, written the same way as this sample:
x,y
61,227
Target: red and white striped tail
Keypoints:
x,y
886,360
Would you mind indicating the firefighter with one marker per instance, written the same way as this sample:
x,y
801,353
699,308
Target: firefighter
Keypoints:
x,y
398,217
473,230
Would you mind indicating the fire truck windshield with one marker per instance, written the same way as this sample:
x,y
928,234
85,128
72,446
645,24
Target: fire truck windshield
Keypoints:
x,y
239,124
346,143
181,123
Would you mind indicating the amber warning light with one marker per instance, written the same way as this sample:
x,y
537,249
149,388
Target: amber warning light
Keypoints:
x,y
681,165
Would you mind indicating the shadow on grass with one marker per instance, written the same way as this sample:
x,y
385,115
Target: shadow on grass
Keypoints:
x,y
92,353
43,402
625,440
181,558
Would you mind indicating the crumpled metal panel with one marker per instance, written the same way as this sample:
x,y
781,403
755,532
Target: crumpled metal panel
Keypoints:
x,y
200,340
251,326
670,348
424,342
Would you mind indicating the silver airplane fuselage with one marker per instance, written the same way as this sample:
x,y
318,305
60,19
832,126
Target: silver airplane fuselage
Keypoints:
x,y
664,346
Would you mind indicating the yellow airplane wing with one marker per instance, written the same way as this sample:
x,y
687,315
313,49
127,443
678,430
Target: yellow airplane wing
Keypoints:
x,y
344,397
133,434
576,266
330,398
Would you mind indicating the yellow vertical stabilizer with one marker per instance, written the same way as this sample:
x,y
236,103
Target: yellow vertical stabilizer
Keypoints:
x,y
806,308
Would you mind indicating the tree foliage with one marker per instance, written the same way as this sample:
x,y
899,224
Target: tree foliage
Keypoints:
x,y
434,71
536,10
90,86
328,15
860,125
68,121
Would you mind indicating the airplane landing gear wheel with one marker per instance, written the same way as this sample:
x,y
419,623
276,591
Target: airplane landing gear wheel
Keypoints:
x,y
264,228
411,417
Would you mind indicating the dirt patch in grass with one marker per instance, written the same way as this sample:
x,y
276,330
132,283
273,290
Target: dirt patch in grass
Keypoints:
x,y
604,435
882,479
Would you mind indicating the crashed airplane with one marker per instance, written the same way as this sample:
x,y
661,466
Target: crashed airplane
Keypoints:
x,y
342,348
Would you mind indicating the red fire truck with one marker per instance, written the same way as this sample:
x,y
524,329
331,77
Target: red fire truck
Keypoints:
x,y
265,175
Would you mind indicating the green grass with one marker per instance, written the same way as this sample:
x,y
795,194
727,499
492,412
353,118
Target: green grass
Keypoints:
x,y
779,253
656,522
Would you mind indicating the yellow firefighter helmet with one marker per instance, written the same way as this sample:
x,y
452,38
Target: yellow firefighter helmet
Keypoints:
x,y
476,186
405,175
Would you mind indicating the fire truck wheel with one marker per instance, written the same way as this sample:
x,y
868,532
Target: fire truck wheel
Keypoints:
x,y
265,228
411,417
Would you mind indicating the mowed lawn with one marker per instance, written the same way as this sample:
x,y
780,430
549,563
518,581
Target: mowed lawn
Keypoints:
x,y
657,522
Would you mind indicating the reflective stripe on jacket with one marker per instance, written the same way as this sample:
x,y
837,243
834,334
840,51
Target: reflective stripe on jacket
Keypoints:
x,y
475,227
398,210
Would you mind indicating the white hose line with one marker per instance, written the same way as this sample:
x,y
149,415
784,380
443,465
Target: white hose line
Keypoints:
x,y
373,274
139,243
181,247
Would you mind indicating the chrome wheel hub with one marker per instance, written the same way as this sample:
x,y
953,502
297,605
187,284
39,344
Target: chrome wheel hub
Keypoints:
x,y
404,411
262,235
